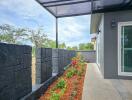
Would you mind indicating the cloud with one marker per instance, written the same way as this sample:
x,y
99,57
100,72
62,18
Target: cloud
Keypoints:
x,y
25,10
28,13
74,30
28,8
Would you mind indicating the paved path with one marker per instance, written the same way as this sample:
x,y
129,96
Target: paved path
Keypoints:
x,y
98,88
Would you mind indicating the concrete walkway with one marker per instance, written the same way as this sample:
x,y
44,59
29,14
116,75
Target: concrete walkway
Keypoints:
x,y
98,88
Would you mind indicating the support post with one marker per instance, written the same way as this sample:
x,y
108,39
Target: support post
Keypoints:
x,y
56,32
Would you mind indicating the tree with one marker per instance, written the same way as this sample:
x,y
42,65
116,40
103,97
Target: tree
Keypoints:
x,y
69,48
38,38
51,43
10,34
62,46
82,46
74,48
86,46
89,46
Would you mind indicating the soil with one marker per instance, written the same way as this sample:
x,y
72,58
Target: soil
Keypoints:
x,y
74,87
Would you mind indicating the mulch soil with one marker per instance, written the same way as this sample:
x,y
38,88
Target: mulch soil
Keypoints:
x,y
74,83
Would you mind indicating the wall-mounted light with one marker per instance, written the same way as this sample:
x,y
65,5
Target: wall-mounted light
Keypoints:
x,y
113,23
98,31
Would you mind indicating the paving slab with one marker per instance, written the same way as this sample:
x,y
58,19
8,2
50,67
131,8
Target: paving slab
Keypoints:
x,y
98,88
124,88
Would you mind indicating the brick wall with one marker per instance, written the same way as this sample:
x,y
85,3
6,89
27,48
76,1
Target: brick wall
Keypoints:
x,y
15,71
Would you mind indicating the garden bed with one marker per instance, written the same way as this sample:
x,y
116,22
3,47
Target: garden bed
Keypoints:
x,y
69,86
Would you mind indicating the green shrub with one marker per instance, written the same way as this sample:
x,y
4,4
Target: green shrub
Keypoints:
x,y
61,84
74,93
71,98
71,72
55,96
53,89
82,69
79,73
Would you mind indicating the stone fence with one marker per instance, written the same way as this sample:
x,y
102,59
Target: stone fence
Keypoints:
x,y
43,64
51,61
15,71
89,56
61,58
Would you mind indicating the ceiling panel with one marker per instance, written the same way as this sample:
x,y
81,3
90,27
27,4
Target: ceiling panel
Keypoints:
x,y
64,8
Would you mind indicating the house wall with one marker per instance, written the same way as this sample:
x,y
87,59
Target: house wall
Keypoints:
x,y
111,42
100,46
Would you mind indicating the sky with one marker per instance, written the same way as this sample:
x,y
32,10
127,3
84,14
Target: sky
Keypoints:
x,y
29,14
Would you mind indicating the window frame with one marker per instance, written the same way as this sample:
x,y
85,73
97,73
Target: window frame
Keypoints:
x,y
120,25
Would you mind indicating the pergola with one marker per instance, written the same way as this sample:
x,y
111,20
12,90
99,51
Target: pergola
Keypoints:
x,y
67,8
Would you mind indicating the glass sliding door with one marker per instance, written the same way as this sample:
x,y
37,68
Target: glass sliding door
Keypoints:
x,y
125,48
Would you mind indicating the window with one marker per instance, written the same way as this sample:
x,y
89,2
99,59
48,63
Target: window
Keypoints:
x,y
125,48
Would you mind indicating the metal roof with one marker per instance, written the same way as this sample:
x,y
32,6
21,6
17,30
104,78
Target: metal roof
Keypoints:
x,y
64,8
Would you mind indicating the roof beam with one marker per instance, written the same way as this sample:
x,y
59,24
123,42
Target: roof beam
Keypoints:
x,y
56,1
73,15
69,3
46,8
113,9
122,6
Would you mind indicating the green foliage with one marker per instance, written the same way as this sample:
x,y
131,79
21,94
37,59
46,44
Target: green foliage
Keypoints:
x,y
10,34
79,73
62,46
55,96
71,98
86,46
69,48
61,84
50,44
82,69
38,37
72,48
74,93
71,72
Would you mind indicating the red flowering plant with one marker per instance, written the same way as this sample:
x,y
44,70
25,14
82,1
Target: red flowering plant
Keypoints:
x,y
75,61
